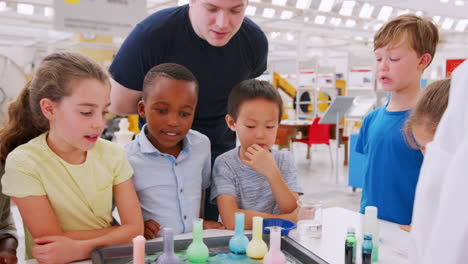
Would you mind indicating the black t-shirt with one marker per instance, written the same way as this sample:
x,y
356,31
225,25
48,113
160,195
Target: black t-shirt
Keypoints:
x,y
168,36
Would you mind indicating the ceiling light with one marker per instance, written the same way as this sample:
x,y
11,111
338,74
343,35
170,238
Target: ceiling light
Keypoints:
x,y
436,19
461,25
385,13
459,3
48,11
444,1
303,4
366,27
359,38
306,19
377,26
182,2
320,20
268,12
402,12
347,8
286,14
2,5
275,34
289,36
326,5
250,10
350,23
366,11
447,24
25,9
279,2
335,21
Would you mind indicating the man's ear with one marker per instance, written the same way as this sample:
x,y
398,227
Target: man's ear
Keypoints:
x,y
48,108
424,61
231,123
141,108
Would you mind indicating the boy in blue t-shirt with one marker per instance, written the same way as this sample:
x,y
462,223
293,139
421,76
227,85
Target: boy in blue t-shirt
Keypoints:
x,y
171,162
403,48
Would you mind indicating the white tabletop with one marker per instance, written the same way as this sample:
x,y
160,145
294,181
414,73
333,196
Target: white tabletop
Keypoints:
x,y
330,247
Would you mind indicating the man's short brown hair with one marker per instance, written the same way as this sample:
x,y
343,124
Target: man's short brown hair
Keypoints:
x,y
420,33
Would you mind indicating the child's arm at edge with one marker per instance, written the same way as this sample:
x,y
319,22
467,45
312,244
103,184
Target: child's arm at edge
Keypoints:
x,y
208,224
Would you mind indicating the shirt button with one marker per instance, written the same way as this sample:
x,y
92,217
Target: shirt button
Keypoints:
x,y
181,190
185,217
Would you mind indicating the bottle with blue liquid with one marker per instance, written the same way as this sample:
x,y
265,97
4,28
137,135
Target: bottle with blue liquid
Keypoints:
x,y
367,249
371,225
238,243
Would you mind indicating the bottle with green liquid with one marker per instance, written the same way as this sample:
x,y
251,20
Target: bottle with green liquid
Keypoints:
x,y
350,246
257,248
198,252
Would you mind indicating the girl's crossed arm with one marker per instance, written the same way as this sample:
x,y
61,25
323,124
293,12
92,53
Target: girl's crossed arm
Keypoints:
x,y
55,246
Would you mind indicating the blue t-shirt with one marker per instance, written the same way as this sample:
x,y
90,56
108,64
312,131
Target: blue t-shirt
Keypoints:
x,y
168,36
391,165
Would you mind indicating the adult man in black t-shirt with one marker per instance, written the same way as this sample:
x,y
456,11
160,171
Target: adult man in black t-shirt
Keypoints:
x,y
212,38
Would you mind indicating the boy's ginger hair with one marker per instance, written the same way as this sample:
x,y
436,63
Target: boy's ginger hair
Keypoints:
x,y
420,33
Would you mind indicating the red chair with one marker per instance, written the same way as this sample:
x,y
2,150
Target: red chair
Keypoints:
x,y
318,134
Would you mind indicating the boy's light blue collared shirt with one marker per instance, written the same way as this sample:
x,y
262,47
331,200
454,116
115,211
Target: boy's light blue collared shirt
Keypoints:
x,y
169,189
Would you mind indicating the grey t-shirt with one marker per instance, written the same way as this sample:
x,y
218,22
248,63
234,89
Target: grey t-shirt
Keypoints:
x,y
252,190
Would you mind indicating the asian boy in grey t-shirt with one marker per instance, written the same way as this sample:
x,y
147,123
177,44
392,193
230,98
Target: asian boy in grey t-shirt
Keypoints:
x,y
252,178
